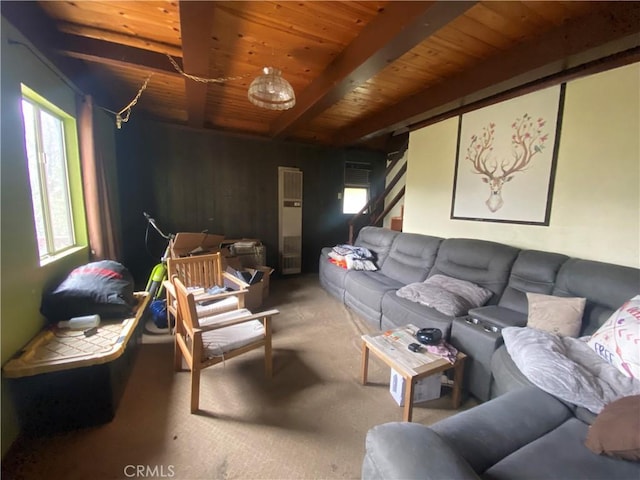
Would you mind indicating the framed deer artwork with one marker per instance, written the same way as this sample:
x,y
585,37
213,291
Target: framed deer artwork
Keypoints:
x,y
506,159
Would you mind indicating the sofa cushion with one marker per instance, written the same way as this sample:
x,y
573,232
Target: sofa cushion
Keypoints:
x,y
604,285
411,257
484,263
397,311
533,271
364,292
559,315
616,430
616,341
491,431
561,453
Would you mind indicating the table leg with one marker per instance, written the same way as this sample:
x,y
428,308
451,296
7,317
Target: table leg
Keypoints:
x,y
458,375
409,383
365,362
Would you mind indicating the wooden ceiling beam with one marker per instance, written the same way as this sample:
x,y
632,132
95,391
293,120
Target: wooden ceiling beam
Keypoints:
x,y
119,38
107,53
551,51
196,23
399,28
38,28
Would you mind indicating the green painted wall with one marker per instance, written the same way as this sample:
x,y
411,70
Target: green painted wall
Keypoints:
x,y
22,278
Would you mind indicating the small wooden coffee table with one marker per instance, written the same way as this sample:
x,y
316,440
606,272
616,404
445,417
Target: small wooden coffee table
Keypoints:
x,y
392,348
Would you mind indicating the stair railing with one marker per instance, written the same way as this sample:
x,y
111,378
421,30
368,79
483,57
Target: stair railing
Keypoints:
x,y
372,205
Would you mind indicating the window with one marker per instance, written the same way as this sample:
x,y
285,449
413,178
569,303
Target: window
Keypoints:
x,y
356,187
354,199
49,137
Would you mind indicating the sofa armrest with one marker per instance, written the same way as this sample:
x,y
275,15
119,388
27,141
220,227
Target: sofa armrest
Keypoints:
x,y
408,450
489,432
499,316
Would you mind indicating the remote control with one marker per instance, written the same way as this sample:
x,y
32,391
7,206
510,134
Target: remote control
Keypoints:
x,y
91,331
415,347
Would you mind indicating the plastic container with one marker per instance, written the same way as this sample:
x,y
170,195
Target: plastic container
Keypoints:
x,y
80,323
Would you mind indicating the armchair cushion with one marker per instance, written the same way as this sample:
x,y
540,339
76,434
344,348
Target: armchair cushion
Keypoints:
x,y
216,342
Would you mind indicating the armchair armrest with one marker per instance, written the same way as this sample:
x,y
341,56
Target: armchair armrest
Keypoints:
x,y
206,297
234,317
170,289
408,450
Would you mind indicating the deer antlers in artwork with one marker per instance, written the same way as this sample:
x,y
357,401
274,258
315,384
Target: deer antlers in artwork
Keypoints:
x,y
526,142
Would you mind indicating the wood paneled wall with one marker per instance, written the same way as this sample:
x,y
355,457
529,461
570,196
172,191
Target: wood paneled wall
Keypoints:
x,y
192,180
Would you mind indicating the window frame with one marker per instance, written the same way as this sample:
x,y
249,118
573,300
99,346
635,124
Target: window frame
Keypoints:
x,y
73,179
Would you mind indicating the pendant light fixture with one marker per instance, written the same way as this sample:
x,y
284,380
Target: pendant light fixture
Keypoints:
x,y
270,90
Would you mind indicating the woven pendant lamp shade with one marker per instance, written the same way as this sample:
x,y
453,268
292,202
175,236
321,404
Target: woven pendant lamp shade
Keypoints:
x,y
271,91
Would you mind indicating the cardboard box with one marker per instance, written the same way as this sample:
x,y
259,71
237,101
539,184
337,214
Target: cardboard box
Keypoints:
x,y
426,389
267,271
253,298
258,291
187,243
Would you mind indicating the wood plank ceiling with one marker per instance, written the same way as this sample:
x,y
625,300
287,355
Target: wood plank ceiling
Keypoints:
x,y
362,71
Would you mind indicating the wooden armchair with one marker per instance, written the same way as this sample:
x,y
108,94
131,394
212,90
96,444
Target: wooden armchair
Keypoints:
x,y
203,342
200,273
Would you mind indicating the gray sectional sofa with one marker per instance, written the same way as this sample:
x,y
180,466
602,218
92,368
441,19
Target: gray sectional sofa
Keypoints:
x,y
520,430
404,258
525,434
506,271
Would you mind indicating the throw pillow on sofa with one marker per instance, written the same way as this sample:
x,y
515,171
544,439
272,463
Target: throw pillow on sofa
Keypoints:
x,y
559,315
618,339
616,430
450,296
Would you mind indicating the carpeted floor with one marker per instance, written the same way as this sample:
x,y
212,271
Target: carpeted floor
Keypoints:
x,y
308,422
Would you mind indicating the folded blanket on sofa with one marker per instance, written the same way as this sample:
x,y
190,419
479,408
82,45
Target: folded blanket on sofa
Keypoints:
x,y
356,252
567,368
352,257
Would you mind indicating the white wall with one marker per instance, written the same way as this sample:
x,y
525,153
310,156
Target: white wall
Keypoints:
x,y
596,202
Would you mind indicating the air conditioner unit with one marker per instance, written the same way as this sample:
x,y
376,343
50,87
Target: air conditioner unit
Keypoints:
x,y
290,219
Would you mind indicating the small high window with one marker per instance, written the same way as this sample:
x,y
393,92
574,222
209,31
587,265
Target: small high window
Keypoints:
x,y
356,187
354,199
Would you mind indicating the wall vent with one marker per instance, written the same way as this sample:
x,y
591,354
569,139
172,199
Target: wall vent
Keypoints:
x,y
290,219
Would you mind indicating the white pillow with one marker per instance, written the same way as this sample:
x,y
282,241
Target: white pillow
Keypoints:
x,y
559,315
618,339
